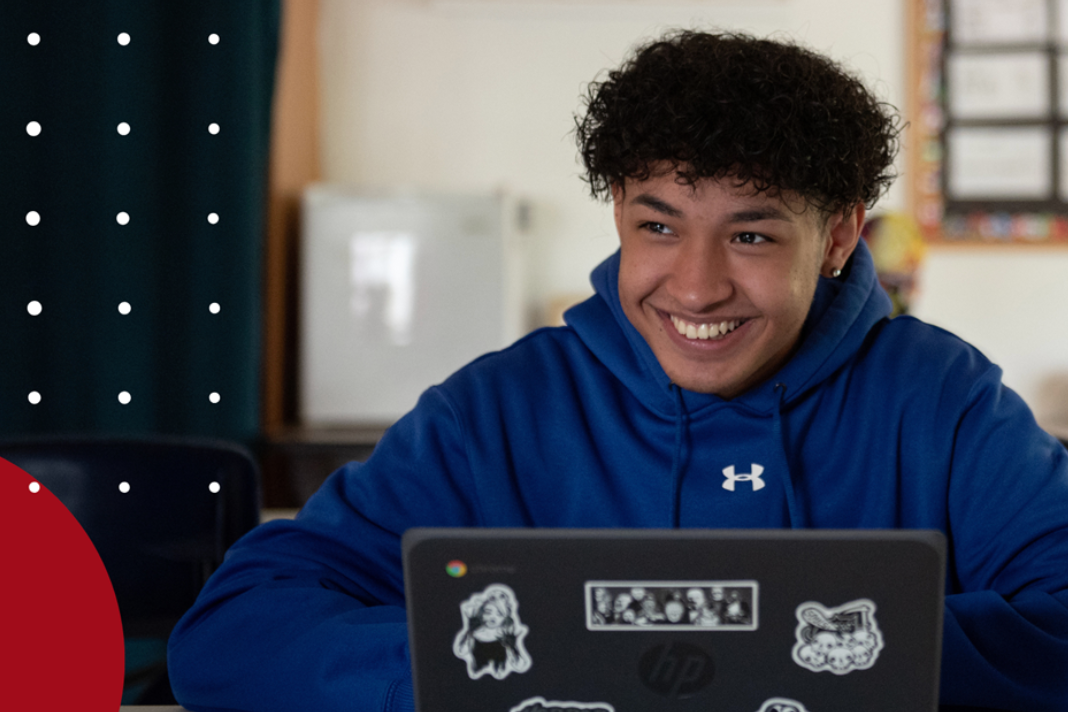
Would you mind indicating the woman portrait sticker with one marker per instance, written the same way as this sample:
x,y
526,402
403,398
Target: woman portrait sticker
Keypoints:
x,y
491,641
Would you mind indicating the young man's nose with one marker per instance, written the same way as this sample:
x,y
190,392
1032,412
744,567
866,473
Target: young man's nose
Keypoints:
x,y
701,277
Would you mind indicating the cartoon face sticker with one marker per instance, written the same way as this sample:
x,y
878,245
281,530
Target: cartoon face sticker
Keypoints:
x,y
674,610
491,641
781,704
825,641
840,660
810,657
838,640
540,704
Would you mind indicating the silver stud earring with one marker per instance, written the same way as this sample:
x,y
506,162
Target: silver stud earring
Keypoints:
x,y
836,273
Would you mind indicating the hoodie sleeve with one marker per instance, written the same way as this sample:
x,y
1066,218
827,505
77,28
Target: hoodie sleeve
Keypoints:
x,y
309,613
1005,641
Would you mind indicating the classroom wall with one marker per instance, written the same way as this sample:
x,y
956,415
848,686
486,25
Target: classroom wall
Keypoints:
x,y
1009,303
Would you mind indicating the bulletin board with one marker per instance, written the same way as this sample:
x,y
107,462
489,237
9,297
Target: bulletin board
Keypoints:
x,y
990,120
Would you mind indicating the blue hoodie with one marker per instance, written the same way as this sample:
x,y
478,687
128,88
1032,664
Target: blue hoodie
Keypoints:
x,y
874,423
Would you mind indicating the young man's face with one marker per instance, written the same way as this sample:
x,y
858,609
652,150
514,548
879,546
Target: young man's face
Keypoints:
x,y
719,279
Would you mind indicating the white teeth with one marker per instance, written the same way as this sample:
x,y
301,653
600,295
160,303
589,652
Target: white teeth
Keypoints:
x,y
704,331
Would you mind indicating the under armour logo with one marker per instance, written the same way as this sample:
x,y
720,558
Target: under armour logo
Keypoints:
x,y
754,477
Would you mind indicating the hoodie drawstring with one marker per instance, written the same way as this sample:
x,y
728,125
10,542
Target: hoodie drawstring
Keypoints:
x,y
797,519
677,457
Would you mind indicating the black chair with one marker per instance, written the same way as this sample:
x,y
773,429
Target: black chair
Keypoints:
x,y
161,513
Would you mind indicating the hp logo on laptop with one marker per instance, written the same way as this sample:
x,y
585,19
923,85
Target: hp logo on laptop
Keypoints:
x,y
676,669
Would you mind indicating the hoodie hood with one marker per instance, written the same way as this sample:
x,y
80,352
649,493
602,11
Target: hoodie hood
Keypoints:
x,y
843,311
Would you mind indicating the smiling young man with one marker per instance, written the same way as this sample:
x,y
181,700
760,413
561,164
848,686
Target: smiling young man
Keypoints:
x,y
719,279
737,367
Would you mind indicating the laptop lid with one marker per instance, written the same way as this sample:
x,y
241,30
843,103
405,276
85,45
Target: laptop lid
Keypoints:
x,y
540,620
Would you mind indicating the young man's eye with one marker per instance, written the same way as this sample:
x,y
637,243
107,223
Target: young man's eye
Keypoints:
x,y
659,228
750,238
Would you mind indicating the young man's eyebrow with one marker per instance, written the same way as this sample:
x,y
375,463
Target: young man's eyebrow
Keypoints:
x,y
748,215
758,214
658,205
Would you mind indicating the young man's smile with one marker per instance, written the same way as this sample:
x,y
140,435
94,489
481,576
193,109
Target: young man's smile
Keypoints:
x,y
718,278
705,331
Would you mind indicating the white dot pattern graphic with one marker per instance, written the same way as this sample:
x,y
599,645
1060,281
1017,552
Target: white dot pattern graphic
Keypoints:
x,y
35,487
214,487
124,487
34,308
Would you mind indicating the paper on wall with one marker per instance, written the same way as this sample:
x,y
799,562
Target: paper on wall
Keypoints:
x,y
1002,85
999,163
999,21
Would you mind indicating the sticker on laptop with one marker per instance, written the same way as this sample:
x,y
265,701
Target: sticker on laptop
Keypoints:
x,y
491,642
838,640
540,704
781,704
671,605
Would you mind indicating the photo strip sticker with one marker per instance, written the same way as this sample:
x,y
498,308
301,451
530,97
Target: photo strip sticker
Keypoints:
x,y
671,605
782,704
540,704
839,640
491,641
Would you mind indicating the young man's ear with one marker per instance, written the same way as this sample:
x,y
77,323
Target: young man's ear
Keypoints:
x,y
843,234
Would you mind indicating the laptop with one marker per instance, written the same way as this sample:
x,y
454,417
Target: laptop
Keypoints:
x,y
557,620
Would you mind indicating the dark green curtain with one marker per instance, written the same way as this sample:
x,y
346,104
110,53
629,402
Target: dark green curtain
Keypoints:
x,y
169,83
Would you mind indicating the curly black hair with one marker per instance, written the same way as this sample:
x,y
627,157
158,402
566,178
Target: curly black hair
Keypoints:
x,y
771,114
